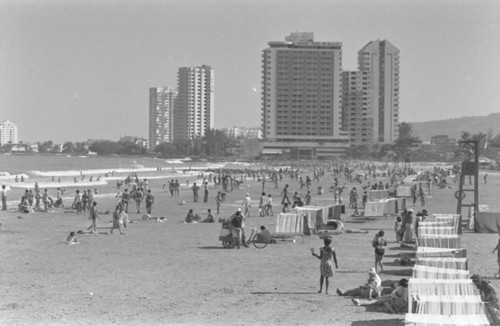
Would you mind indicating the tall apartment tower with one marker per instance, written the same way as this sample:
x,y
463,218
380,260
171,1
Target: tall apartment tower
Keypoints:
x,y
8,133
194,105
301,98
161,109
381,60
357,117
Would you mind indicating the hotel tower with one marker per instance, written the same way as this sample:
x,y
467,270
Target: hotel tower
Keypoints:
x,y
301,107
194,105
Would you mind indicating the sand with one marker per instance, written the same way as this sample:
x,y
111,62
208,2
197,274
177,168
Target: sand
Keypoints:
x,y
179,274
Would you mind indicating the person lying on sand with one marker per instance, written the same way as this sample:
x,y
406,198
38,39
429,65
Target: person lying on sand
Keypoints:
x,y
71,239
148,217
396,302
371,289
89,232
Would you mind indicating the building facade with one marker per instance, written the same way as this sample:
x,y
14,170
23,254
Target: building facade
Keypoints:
x,y
161,110
301,108
380,60
194,105
357,116
8,133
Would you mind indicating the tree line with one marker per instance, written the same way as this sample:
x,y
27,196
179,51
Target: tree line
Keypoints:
x,y
214,144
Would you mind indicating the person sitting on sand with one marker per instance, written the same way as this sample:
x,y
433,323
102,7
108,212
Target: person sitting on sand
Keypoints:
x,y
210,217
371,289
264,235
489,297
24,206
191,217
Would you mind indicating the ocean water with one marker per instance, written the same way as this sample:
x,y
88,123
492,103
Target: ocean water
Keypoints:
x,y
52,171
17,164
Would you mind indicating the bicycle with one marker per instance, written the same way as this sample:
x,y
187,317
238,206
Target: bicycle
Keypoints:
x,y
228,241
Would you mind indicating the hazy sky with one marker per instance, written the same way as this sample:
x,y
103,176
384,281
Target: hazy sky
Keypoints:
x,y
73,70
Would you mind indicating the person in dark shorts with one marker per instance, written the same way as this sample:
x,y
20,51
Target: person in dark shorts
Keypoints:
x,y
379,243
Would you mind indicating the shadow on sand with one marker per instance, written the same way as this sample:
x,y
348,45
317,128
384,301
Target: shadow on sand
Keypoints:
x,y
269,292
212,247
403,248
400,272
379,322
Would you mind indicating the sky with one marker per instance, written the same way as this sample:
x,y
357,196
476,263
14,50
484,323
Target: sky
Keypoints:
x,y
78,70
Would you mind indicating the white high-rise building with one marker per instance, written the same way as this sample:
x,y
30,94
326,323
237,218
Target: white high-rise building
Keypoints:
x,y
194,105
8,133
161,109
301,98
381,60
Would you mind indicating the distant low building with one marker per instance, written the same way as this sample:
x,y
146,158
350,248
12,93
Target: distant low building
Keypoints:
x,y
242,132
19,148
247,148
443,141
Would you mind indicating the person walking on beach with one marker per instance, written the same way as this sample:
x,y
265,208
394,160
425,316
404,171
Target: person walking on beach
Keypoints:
x,y
218,201
262,205
177,185
379,243
247,204
45,200
138,196
195,189
308,198
85,201
171,188
328,257
413,193
4,198
150,199
269,205
59,201
77,202
93,216
90,199
205,192
284,193
125,200
38,199
117,219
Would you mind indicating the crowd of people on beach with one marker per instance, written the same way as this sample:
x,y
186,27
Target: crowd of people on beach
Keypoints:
x,y
300,177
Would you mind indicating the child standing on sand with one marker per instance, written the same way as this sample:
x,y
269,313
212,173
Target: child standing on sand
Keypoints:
x,y
327,256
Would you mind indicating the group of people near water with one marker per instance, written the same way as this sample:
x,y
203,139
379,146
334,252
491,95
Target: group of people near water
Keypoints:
x,y
394,296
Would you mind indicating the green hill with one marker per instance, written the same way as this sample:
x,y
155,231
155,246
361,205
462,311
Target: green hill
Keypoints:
x,y
454,127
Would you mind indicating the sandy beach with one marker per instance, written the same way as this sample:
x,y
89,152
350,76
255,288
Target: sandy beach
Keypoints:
x,y
174,273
